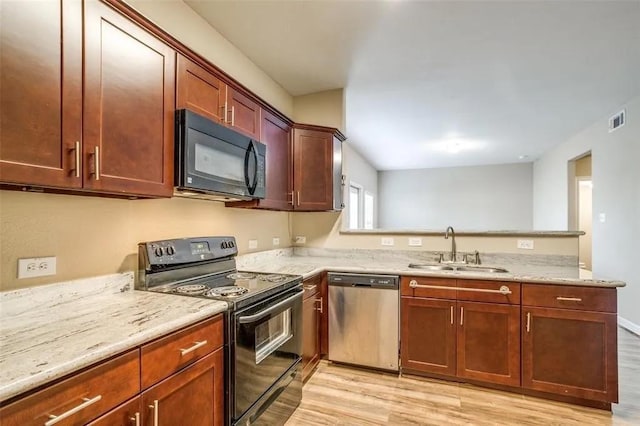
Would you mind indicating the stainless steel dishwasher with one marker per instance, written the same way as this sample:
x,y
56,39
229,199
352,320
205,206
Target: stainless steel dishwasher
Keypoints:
x,y
363,319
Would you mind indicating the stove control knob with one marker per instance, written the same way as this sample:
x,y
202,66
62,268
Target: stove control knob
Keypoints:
x,y
171,250
223,245
159,252
231,244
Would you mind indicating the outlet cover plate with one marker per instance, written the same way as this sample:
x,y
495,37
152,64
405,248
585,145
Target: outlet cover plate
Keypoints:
x,y
253,244
386,241
276,241
36,267
301,239
525,244
415,242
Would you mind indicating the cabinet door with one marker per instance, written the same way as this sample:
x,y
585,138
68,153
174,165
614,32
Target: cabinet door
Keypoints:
x,y
128,414
571,353
199,90
310,335
244,113
489,342
41,92
193,396
129,106
276,134
428,335
312,170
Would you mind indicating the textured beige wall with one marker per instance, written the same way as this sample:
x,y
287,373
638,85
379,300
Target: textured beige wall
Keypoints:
x,y
323,230
179,20
93,236
321,108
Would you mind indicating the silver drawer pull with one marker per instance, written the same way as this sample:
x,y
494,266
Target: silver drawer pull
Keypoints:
x,y
135,420
503,289
155,409
197,345
310,287
569,299
87,402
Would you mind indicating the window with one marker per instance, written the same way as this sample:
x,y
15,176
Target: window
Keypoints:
x,y
354,205
368,210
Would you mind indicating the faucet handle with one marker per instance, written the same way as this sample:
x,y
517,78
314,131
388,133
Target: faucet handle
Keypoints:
x,y
477,255
465,258
440,257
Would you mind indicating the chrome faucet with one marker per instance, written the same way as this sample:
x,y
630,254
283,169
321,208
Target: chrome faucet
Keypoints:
x,y
453,242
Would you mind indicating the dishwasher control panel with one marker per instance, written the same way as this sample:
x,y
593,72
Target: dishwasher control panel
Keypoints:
x,y
363,280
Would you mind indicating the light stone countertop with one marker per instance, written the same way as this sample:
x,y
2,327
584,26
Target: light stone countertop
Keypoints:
x,y
50,331
309,262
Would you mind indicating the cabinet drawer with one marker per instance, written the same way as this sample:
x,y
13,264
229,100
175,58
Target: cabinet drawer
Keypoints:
x,y
172,353
312,286
80,398
570,297
473,295
436,293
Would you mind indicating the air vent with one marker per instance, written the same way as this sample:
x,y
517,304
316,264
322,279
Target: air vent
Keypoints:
x,y
617,120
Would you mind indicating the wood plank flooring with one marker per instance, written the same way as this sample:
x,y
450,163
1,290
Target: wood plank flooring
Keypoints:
x,y
338,395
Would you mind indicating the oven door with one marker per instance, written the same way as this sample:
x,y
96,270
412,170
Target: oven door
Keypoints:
x,y
268,342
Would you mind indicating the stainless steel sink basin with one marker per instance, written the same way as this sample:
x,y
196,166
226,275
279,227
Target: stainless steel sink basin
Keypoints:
x,y
431,267
481,269
465,268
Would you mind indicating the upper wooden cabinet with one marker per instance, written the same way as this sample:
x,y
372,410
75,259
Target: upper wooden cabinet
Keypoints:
x,y
118,139
203,91
317,168
129,106
41,93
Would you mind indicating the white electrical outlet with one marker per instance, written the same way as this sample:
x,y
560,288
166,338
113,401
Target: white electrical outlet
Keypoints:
x,y
253,244
301,239
36,267
415,242
386,241
276,241
525,244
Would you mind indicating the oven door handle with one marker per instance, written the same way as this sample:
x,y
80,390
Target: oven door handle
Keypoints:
x,y
255,317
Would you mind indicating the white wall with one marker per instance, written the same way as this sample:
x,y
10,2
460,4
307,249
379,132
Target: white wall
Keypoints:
x,y
497,197
616,193
357,169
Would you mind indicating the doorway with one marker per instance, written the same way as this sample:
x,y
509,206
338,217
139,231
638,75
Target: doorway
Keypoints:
x,y
581,206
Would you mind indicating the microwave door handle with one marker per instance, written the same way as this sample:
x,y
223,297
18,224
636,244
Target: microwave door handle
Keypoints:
x,y
251,184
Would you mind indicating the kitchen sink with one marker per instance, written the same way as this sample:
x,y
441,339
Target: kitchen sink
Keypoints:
x,y
465,268
431,267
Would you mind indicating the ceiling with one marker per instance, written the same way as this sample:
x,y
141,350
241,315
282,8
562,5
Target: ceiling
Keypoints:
x,y
448,83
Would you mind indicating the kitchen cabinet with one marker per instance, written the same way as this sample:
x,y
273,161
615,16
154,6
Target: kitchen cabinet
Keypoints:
x,y
450,329
276,135
203,91
194,396
569,341
317,168
181,380
129,91
41,93
311,313
102,125
81,397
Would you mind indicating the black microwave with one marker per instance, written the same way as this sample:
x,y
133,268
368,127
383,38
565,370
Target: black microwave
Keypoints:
x,y
216,162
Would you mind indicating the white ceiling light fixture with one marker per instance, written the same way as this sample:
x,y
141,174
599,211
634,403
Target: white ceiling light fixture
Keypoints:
x,y
456,144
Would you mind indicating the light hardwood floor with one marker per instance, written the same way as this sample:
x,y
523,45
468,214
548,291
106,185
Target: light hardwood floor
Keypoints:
x,y
338,395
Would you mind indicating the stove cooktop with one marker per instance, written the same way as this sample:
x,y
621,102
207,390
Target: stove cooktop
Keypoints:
x,y
234,287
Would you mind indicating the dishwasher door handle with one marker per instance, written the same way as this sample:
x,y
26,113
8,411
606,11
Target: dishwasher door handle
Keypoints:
x,y
361,285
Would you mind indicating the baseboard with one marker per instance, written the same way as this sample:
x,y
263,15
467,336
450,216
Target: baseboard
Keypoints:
x,y
628,325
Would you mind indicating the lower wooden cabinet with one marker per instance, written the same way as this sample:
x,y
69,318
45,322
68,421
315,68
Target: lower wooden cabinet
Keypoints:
x,y
311,317
489,342
570,352
194,396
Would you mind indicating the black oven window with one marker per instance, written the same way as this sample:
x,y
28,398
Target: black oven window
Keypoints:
x,y
272,334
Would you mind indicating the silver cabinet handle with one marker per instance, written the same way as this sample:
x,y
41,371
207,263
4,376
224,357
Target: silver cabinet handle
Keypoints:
x,y
319,300
290,202
298,199
87,402
569,299
233,115
461,315
197,345
78,156
135,419
310,287
224,113
503,289
96,162
528,321
154,407
451,314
